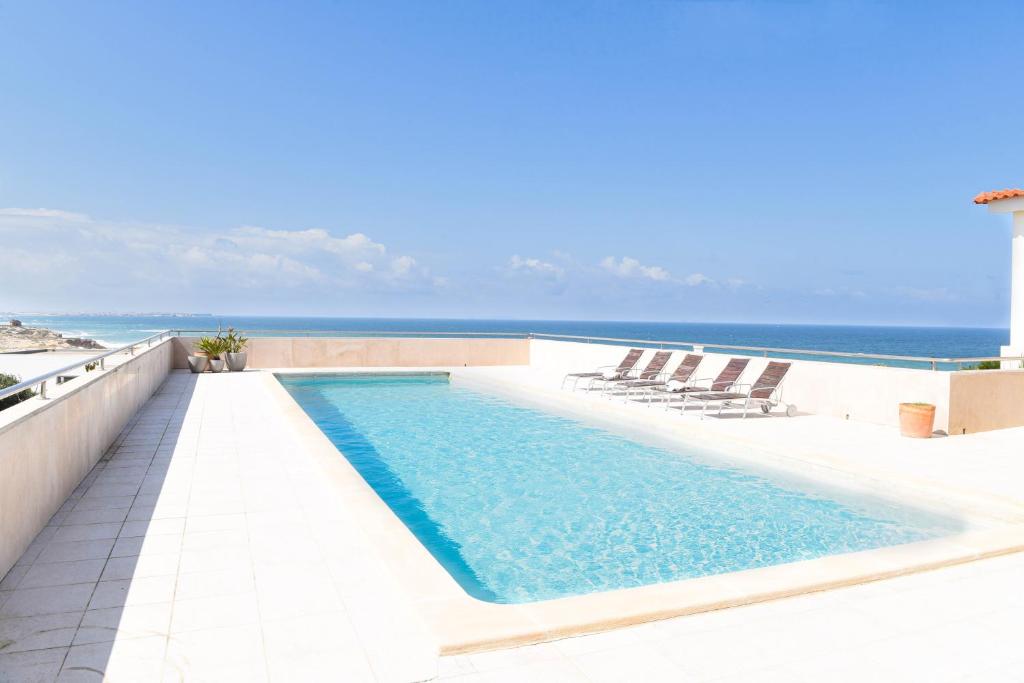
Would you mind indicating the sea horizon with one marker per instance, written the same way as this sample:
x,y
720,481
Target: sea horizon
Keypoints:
x,y
256,316
903,340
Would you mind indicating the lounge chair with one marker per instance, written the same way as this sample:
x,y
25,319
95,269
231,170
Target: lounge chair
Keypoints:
x,y
681,376
618,372
648,374
764,392
726,378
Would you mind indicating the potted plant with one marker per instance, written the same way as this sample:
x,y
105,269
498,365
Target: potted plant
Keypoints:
x,y
213,348
917,420
198,361
235,350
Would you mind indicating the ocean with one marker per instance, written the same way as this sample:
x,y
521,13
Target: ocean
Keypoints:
x,y
934,342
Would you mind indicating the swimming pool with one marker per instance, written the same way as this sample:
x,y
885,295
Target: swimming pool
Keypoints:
x,y
520,505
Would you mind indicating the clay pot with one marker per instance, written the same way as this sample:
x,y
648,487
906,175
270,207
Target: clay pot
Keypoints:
x,y
917,420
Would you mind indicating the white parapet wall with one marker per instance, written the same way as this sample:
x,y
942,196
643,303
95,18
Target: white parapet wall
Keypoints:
x,y
864,393
332,352
47,446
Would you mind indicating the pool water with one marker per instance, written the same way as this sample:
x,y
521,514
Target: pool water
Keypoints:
x,y
521,505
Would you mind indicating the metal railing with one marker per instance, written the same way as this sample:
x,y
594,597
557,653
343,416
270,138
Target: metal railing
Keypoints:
x,y
359,333
101,358
883,359
765,351
864,358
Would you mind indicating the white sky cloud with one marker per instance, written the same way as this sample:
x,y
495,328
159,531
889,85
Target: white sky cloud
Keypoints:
x,y
43,213
535,266
242,263
630,267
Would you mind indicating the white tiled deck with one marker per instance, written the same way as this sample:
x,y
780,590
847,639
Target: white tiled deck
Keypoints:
x,y
205,547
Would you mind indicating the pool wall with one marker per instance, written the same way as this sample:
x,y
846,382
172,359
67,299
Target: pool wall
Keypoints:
x,y
461,623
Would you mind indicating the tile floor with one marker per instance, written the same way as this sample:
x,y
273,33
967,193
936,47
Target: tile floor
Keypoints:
x,y
203,548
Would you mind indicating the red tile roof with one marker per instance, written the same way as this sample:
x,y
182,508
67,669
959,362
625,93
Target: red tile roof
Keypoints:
x,y
986,197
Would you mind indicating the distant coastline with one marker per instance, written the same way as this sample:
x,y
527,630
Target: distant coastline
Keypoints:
x,y
23,338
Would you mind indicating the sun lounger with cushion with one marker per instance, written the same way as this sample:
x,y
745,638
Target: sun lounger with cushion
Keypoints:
x,y
648,374
618,372
764,392
726,378
681,376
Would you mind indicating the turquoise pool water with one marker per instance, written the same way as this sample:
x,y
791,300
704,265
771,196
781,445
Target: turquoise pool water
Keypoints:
x,y
521,505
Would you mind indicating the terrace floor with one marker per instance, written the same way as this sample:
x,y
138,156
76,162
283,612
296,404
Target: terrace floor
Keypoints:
x,y
206,547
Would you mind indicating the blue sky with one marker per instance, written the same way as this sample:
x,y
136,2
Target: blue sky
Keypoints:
x,y
653,160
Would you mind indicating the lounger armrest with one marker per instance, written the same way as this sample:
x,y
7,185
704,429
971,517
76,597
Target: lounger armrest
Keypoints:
x,y
703,380
773,397
738,388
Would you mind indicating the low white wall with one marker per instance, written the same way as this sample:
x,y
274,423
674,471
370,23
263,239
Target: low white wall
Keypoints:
x,y
865,393
333,352
48,446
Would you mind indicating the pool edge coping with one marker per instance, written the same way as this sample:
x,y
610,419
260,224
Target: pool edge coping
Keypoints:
x,y
463,624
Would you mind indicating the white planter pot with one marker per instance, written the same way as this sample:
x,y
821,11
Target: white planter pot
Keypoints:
x,y
236,361
197,363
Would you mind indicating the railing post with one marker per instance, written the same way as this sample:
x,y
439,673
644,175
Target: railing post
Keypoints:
x,y
131,350
42,389
103,363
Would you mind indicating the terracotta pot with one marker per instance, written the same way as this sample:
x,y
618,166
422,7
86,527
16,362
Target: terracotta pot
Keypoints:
x,y
917,420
